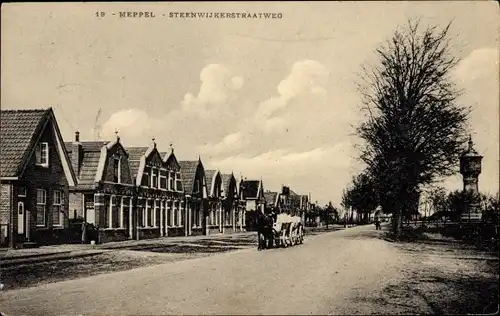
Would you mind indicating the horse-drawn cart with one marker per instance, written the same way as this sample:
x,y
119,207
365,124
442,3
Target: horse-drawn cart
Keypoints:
x,y
288,230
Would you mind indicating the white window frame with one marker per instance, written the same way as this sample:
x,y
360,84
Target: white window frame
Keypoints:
x,y
145,213
154,175
177,181
119,169
39,203
59,205
162,177
110,211
39,154
148,177
122,224
170,213
171,183
153,216
179,214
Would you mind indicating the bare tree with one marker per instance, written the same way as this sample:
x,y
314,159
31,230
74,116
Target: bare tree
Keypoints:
x,y
414,128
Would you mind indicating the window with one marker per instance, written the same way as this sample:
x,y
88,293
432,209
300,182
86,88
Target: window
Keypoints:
x,y
116,170
178,181
21,191
154,178
123,212
171,181
42,154
156,212
116,211
163,179
57,214
176,214
169,214
41,201
110,211
182,214
196,186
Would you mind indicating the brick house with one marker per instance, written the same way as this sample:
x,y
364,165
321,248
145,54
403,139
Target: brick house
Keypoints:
x,y
195,189
214,192
230,204
253,199
104,195
161,207
36,176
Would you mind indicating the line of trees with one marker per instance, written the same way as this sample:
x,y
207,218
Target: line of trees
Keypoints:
x,y
414,128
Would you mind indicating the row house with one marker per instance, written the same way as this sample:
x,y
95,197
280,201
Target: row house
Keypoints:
x,y
233,211
252,200
160,207
35,179
195,190
214,192
104,196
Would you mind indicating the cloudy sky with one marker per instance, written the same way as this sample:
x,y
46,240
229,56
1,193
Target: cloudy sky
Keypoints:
x,y
267,98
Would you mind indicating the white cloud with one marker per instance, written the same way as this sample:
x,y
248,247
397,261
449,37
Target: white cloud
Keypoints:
x,y
216,86
477,64
306,76
131,124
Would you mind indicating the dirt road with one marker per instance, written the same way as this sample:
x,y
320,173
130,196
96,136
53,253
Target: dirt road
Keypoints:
x,y
335,273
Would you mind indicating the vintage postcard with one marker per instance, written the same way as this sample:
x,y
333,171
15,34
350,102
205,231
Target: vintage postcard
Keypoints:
x,y
250,158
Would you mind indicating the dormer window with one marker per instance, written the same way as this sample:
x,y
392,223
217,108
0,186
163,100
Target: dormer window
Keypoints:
x,y
178,181
42,154
116,170
21,191
154,178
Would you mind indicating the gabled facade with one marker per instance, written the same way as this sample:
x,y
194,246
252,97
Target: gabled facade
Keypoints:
x,y
104,195
195,189
214,190
36,176
176,206
232,210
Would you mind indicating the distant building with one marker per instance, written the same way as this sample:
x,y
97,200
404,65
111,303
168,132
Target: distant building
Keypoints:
x,y
252,197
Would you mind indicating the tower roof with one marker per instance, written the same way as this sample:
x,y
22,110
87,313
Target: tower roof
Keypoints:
x,y
470,152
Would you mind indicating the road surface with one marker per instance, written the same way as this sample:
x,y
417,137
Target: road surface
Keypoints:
x,y
317,277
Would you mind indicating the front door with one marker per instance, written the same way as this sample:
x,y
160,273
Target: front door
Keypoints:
x,y
20,218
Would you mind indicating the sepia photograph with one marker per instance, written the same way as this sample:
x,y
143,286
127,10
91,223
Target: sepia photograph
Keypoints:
x,y
250,158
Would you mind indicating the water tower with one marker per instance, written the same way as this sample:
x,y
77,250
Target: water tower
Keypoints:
x,y
470,168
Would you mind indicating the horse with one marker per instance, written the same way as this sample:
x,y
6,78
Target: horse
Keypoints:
x,y
264,231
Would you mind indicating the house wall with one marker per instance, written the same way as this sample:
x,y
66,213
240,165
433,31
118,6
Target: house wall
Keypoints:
x,y
5,209
49,178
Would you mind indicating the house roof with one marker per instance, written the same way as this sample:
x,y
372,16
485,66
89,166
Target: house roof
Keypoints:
x,y
271,197
134,158
91,152
188,174
226,181
19,129
19,132
210,178
250,189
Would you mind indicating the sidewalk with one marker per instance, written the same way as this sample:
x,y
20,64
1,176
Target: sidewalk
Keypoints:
x,y
63,251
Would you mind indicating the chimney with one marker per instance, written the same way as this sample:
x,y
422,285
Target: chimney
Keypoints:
x,y
76,154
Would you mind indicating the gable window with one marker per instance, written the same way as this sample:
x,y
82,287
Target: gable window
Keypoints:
x,y
145,177
196,186
154,178
21,191
57,214
42,154
178,182
116,170
163,179
41,203
171,181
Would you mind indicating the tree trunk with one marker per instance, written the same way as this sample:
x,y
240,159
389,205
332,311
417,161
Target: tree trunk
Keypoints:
x,y
396,223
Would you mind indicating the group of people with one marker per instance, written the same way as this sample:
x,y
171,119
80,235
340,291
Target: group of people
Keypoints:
x,y
377,224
